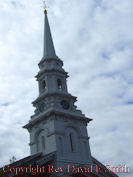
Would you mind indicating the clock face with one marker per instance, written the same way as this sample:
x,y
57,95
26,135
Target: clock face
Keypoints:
x,y
65,104
42,107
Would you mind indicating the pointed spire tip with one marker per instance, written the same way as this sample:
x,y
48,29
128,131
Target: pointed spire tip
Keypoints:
x,y
48,48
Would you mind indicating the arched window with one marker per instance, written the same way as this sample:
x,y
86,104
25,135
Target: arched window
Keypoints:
x,y
59,84
71,142
41,146
43,142
43,85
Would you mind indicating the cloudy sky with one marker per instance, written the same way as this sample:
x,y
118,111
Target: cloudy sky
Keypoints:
x,y
94,39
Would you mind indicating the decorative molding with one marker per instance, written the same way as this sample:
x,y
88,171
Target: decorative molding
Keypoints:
x,y
44,95
70,125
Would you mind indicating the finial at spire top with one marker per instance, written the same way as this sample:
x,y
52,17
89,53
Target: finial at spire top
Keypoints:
x,y
45,7
45,11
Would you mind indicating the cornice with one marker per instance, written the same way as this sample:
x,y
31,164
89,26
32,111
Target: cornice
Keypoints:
x,y
66,115
50,59
52,70
47,94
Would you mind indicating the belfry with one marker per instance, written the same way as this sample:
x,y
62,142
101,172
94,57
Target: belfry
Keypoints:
x,y
58,130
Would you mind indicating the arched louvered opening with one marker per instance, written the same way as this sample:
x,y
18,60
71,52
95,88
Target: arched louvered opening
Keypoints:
x,y
59,84
43,84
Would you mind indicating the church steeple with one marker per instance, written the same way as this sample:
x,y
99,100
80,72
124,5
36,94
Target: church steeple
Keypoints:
x,y
48,47
57,125
58,130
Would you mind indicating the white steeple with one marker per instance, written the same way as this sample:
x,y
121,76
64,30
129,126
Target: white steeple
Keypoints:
x,y
48,48
57,125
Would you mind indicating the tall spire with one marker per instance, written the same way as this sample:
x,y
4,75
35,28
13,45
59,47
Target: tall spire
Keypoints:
x,y
48,48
